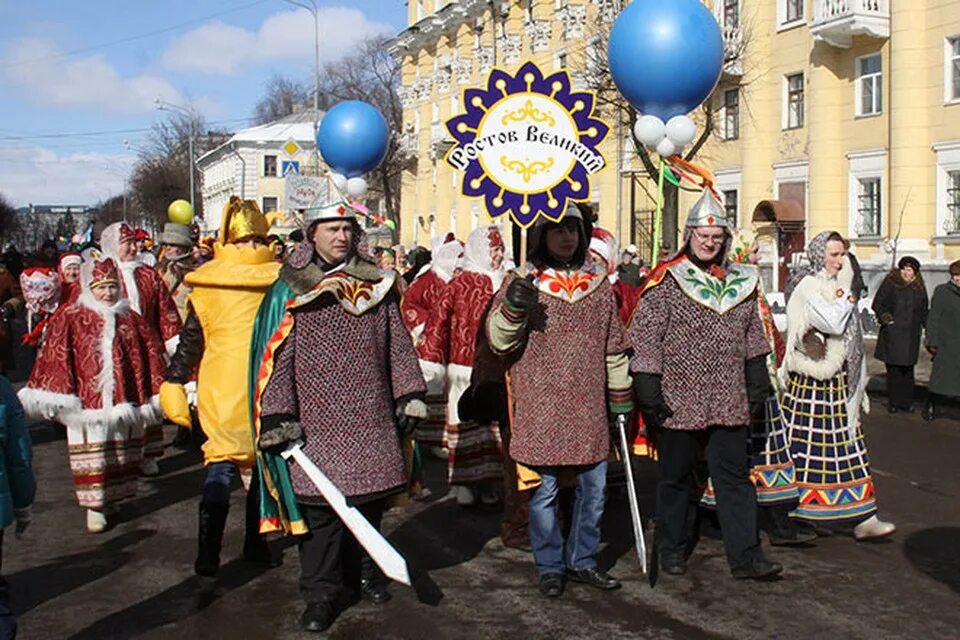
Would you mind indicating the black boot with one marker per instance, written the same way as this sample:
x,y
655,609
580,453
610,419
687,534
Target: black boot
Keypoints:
x,y
255,548
373,584
213,519
782,529
929,409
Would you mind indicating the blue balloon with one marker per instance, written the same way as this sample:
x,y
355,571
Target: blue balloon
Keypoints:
x,y
665,56
353,138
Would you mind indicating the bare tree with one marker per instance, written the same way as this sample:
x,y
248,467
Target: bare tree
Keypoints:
x,y
9,225
162,171
613,107
371,74
282,96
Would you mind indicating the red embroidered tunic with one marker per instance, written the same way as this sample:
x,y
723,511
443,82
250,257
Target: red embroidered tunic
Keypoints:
x,y
451,333
420,299
154,302
83,346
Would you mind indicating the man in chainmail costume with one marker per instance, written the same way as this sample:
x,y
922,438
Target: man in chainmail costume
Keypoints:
x,y
699,368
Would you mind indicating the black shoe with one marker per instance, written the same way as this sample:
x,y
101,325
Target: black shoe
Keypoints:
x,y
551,585
593,577
892,409
798,538
929,412
317,617
374,591
757,569
675,566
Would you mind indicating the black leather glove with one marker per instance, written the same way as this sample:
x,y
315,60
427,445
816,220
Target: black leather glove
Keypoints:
x,y
759,388
650,400
277,432
484,403
521,294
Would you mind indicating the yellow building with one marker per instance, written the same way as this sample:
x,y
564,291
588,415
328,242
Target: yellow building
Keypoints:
x,y
837,114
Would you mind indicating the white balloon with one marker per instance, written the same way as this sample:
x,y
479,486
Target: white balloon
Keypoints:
x,y
681,130
356,187
339,181
666,148
649,130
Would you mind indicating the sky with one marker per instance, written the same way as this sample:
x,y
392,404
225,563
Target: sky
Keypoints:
x,y
78,78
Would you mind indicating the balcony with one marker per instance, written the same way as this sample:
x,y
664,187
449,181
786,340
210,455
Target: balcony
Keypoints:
x,y
440,139
837,21
733,51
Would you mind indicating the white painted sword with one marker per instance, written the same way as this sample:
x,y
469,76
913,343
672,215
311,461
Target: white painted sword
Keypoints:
x,y
638,538
380,550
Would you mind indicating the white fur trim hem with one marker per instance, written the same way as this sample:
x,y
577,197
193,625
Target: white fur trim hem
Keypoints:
x,y
434,375
48,405
171,345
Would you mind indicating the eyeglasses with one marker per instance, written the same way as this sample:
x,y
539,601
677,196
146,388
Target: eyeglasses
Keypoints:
x,y
709,238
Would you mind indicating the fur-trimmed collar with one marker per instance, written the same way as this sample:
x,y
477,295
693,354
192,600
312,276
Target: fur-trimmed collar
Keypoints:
x,y
304,278
87,300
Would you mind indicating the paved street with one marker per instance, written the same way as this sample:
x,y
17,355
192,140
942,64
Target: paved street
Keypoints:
x,y
135,581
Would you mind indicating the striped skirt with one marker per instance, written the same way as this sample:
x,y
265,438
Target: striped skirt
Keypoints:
x,y
771,469
105,463
476,453
833,471
430,431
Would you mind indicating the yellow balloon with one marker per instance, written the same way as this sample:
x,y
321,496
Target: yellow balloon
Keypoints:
x,y
180,212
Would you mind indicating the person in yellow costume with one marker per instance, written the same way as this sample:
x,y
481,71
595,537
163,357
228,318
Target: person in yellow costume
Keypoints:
x,y
215,342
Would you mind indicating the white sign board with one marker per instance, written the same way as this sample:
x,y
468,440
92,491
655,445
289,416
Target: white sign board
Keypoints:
x,y
303,192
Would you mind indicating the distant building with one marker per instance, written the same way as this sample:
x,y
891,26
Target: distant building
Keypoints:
x,y
253,162
38,222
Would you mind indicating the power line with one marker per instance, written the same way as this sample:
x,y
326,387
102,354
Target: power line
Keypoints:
x,y
141,36
72,134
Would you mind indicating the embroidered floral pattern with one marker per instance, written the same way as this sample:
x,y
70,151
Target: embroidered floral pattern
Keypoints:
x,y
718,290
570,286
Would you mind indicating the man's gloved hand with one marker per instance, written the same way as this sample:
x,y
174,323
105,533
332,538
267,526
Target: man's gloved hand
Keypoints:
x,y
23,518
521,294
173,401
650,400
275,438
411,411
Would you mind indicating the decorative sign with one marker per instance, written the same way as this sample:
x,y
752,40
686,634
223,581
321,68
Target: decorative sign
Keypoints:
x,y
304,192
527,144
291,148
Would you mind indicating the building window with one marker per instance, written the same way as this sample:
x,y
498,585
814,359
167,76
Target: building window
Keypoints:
x,y
560,62
270,166
731,114
952,223
869,87
731,14
794,115
269,203
730,205
868,207
794,10
952,74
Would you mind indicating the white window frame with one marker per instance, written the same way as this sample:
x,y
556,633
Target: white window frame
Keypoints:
x,y
948,159
785,116
726,133
948,59
276,166
263,204
729,180
859,79
782,23
453,220
474,215
559,59
867,164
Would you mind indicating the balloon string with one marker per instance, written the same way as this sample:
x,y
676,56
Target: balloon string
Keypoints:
x,y
658,216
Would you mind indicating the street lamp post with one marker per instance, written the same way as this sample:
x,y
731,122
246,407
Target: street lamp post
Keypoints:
x,y
312,8
167,106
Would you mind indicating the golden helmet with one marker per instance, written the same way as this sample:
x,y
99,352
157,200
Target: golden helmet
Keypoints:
x,y
242,219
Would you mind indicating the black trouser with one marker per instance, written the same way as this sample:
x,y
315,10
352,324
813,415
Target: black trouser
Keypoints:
x,y
900,386
330,556
729,465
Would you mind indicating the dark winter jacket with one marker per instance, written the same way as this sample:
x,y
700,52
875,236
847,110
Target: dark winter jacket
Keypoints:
x,y
943,335
901,309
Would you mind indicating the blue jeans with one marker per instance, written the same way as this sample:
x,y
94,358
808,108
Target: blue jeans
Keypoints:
x,y
216,484
584,539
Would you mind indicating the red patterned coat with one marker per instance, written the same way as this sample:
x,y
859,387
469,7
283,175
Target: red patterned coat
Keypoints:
x,y
419,301
149,295
338,363
86,343
451,332
697,330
